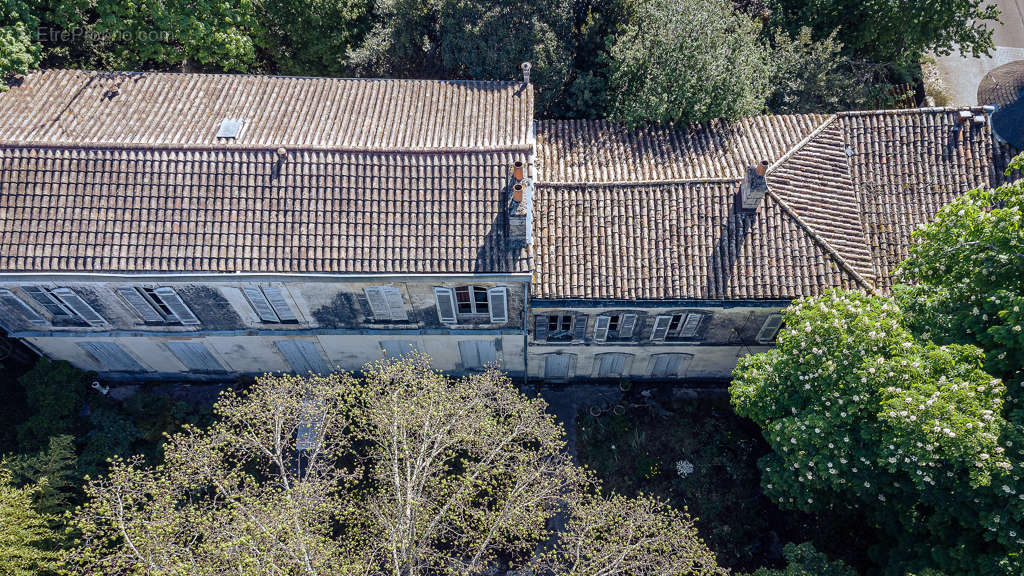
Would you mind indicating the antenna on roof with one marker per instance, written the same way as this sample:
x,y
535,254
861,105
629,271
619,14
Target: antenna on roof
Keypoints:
x,y
525,67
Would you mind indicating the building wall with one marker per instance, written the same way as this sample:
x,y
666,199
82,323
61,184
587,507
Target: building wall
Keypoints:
x,y
332,314
728,330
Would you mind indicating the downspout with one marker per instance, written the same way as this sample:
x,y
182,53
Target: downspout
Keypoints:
x,y
526,332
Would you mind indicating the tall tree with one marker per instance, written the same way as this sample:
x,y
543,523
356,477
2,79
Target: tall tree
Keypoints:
x,y
19,51
481,40
406,472
897,32
865,419
965,278
687,60
27,543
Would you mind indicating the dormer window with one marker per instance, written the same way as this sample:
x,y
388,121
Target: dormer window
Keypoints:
x,y
684,326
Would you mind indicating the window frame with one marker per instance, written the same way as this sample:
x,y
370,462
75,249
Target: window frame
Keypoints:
x,y
473,294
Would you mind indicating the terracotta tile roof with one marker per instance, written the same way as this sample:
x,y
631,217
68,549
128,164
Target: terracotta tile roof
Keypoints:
x,y
133,210
644,214
80,108
592,151
905,165
670,241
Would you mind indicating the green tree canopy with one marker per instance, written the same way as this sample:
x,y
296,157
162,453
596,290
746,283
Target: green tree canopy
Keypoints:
x,y
685,61
482,40
863,418
27,544
896,32
966,276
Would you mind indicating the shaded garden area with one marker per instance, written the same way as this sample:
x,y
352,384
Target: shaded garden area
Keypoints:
x,y
698,454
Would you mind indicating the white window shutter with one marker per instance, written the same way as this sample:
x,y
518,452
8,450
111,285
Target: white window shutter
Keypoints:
x,y
260,303
498,299
770,328
278,301
8,298
660,327
139,304
601,328
378,302
177,305
395,303
445,304
691,325
627,325
79,306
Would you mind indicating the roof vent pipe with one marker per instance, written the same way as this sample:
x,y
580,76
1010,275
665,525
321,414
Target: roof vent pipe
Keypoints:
x,y
282,153
525,66
762,168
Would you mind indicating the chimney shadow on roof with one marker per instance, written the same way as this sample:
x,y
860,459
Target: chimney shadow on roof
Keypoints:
x,y
732,234
494,254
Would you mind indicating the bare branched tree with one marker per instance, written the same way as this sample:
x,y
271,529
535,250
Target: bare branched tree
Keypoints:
x,y
405,473
461,471
238,497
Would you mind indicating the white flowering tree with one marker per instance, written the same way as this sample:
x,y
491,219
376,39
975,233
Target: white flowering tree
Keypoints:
x,y
966,276
864,418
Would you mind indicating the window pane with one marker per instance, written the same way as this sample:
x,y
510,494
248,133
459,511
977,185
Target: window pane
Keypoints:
x,y
462,298
566,323
480,298
674,324
613,322
552,323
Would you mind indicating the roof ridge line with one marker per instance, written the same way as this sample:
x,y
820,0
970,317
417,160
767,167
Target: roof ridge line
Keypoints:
x,y
796,217
638,183
907,111
265,148
113,73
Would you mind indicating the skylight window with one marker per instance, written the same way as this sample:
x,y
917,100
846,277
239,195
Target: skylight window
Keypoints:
x,y
229,128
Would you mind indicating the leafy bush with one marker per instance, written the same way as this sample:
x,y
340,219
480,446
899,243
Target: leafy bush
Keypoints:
x,y
804,560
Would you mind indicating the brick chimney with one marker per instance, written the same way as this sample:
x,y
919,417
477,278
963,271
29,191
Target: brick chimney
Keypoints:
x,y
754,188
520,206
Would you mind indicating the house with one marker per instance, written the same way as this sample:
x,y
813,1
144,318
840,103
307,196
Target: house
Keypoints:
x,y
158,225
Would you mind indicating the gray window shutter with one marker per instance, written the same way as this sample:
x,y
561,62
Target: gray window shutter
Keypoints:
x,y
396,348
139,304
627,325
770,328
470,355
498,299
195,356
691,324
111,357
487,352
667,365
303,356
395,303
540,327
48,302
33,317
79,306
378,302
660,327
609,365
279,303
177,305
445,304
556,366
601,328
260,304
579,327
